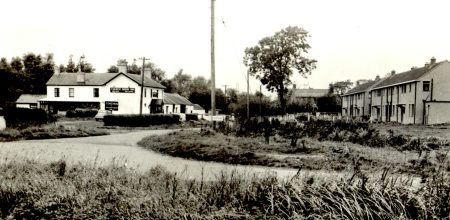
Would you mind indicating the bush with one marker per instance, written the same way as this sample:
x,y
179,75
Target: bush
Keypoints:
x,y
191,117
81,113
140,120
24,117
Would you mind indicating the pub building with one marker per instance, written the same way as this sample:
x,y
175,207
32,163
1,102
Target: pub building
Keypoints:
x,y
119,93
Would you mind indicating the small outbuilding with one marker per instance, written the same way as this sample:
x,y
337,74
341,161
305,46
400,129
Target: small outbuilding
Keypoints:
x,y
30,101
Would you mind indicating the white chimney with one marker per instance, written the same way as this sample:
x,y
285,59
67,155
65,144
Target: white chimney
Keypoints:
x,y
432,61
147,72
122,66
56,71
81,77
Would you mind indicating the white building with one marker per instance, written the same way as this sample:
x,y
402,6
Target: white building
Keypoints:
x,y
29,101
177,104
119,93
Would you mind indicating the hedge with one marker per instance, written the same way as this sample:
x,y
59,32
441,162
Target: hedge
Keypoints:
x,y
140,120
191,117
24,117
81,113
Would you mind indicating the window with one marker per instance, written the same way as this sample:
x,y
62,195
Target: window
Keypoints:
x,y
96,93
145,92
71,92
379,92
56,92
155,94
403,88
410,87
426,86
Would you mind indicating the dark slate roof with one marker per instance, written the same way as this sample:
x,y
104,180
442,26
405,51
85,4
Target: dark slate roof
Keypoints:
x,y
198,107
97,79
407,76
30,98
173,98
363,87
303,93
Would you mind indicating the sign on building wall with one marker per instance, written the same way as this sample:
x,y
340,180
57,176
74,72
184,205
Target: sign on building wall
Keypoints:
x,y
122,90
112,106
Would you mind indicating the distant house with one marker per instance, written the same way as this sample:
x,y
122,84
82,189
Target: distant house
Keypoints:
x,y
305,97
119,93
177,104
357,101
30,101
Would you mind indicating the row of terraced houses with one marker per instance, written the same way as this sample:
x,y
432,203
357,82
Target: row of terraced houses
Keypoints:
x,y
420,95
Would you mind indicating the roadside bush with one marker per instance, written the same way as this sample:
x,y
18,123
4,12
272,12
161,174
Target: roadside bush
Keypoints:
x,y
23,117
81,113
191,117
140,120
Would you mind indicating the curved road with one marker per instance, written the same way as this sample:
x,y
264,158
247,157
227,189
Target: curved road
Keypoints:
x,y
121,149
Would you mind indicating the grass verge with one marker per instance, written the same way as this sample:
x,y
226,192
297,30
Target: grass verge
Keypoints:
x,y
33,190
48,132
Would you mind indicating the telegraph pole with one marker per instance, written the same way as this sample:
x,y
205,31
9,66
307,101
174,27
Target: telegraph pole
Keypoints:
x,y
213,67
142,84
248,94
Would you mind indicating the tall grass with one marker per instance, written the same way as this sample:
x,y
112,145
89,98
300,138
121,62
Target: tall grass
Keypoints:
x,y
33,190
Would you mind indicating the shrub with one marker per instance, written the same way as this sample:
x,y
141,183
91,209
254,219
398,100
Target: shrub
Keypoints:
x,y
23,117
140,120
191,117
81,113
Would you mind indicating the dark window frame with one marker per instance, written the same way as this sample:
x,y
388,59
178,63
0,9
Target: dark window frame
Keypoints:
x,y
71,92
56,90
426,86
96,92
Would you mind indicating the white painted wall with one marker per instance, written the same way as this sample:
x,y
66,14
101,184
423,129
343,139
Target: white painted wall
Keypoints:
x,y
129,103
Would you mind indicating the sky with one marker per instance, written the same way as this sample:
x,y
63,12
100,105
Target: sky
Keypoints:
x,y
350,39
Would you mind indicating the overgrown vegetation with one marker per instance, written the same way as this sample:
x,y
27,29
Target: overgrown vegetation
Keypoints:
x,y
48,132
140,120
22,117
45,191
81,113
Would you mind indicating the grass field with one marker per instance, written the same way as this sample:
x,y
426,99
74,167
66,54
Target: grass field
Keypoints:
x,y
34,190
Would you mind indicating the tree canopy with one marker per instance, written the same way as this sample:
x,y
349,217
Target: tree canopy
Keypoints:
x,y
340,87
275,58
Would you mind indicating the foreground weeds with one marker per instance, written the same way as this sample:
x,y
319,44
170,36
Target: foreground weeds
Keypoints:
x,y
32,190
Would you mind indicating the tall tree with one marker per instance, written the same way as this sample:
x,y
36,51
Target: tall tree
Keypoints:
x,y
275,58
71,67
113,69
182,83
340,87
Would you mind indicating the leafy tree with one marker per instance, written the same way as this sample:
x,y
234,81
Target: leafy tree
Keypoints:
x,y
182,83
113,69
340,87
71,67
275,58
62,68
158,74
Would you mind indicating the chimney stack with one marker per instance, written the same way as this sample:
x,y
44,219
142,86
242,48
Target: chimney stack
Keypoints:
x,y
147,72
392,72
377,77
122,66
57,71
413,67
432,60
426,64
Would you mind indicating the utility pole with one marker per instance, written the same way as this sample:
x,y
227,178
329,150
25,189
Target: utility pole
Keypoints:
x,y
142,84
260,100
248,94
213,67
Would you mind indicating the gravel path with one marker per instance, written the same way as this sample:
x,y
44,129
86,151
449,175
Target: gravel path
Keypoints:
x,y
121,149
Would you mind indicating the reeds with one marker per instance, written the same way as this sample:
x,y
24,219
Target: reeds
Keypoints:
x,y
33,190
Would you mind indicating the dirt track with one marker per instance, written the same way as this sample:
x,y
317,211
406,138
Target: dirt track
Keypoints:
x,y
120,149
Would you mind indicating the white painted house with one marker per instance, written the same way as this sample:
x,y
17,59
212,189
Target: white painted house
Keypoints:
x,y
119,93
